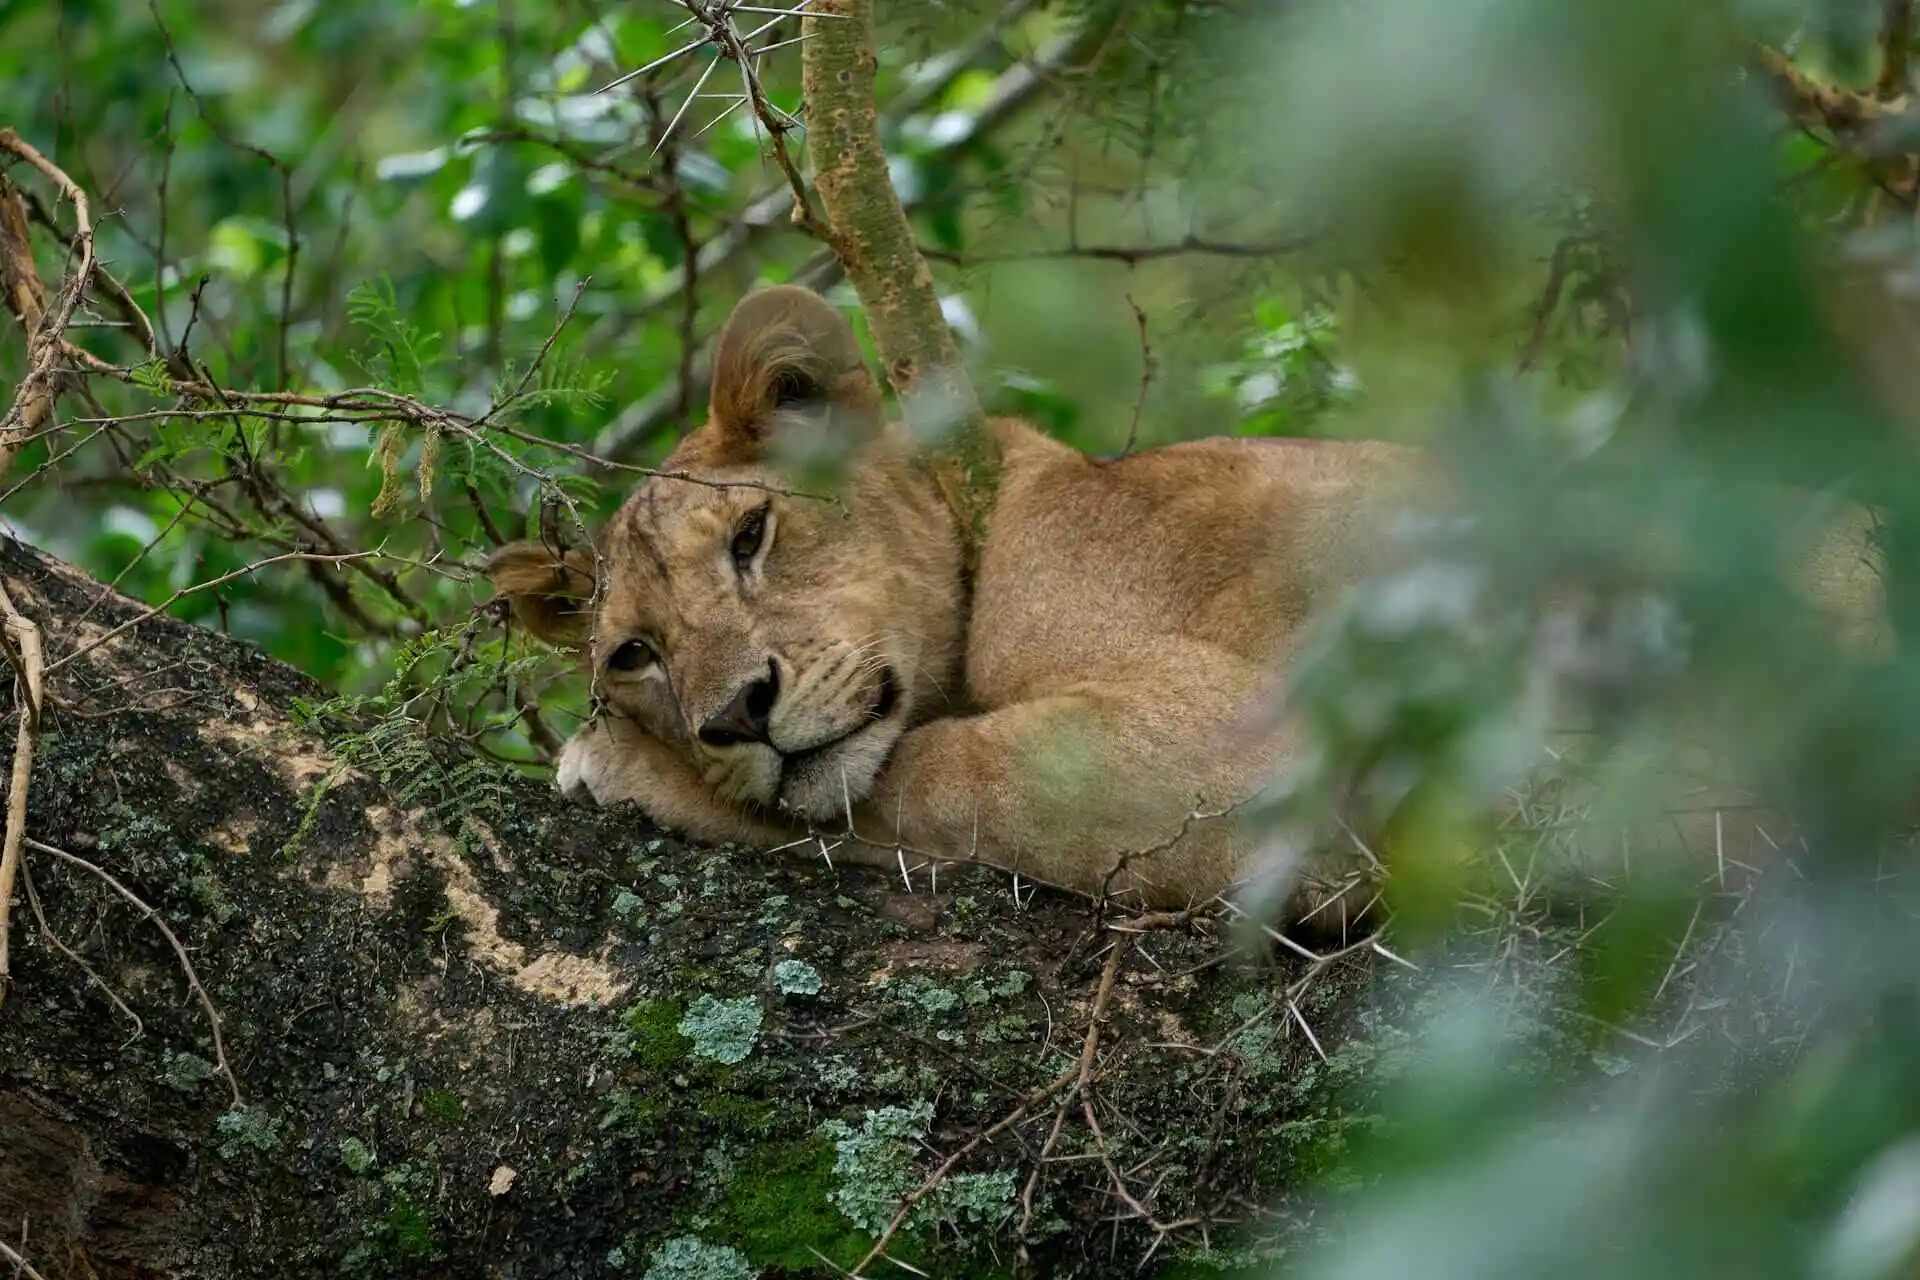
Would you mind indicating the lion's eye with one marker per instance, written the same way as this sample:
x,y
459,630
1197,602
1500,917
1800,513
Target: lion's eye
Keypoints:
x,y
631,655
748,538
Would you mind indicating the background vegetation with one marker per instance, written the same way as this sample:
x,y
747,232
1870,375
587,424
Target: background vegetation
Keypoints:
x,y
1630,265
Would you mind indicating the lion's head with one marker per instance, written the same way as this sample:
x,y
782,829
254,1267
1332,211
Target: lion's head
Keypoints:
x,y
782,643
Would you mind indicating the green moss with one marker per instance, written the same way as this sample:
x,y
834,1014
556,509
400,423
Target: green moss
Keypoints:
x,y
746,1117
778,1211
443,1106
631,1111
408,1233
653,1034
1239,1264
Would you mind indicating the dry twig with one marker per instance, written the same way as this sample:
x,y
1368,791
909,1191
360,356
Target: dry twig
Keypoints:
x,y
21,1267
1076,1081
25,656
33,399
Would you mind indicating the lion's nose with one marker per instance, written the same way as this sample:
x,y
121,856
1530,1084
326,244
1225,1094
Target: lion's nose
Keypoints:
x,y
746,715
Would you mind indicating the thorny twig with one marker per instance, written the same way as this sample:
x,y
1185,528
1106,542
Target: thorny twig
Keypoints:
x,y
1089,1046
731,44
155,610
1076,1080
939,1175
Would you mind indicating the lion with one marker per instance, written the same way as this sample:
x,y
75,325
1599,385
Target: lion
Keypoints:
x,y
1090,706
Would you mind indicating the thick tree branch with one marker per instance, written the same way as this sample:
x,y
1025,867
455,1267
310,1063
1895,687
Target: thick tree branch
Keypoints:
x,y
870,235
462,962
1875,128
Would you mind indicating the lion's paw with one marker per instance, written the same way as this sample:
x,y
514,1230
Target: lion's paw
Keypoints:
x,y
583,761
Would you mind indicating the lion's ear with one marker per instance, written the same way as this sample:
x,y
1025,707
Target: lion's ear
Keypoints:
x,y
785,359
550,591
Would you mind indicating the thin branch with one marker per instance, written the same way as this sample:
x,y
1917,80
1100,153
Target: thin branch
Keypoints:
x,y
1146,375
1557,268
29,669
154,611
54,940
33,399
1130,255
21,1267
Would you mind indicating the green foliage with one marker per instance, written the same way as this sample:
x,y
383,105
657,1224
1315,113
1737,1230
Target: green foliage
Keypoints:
x,y
560,382
394,734
408,1234
443,1106
400,350
654,1036
1289,376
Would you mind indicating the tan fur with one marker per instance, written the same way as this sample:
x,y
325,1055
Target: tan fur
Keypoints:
x,y
1111,676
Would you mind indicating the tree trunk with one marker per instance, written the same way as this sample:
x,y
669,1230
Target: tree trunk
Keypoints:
x,y
480,1032
871,236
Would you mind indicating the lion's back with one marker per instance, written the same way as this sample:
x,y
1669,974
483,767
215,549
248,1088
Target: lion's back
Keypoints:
x,y
1222,545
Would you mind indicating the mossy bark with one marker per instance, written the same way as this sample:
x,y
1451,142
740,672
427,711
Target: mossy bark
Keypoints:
x,y
480,1032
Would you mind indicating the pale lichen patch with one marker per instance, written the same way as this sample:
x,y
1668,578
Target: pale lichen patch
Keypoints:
x,y
299,759
372,878
915,953
552,975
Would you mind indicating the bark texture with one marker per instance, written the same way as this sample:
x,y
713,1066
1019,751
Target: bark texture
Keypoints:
x,y
480,1032
870,234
